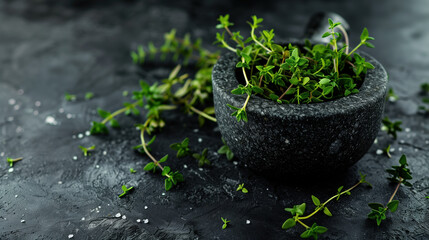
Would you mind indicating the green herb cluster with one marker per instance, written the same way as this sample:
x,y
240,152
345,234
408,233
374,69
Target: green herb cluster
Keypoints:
x,y
86,150
298,211
125,190
183,150
225,150
11,161
190,93
290,73
391,127
225,222
399,175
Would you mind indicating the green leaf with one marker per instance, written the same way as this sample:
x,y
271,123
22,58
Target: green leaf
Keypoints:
x,y
316,201
375,206
150,166
301,209
289,223
166,171
168,184
324,81
98,128
364,35
393,205
326,34
327,212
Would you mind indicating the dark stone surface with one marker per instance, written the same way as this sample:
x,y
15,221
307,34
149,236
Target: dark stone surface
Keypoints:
x,y
52,47
295,140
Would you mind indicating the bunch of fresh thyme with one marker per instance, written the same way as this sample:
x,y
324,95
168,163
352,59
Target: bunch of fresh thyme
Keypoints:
x,y
291,73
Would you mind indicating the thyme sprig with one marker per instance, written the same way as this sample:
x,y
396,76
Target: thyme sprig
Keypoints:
x,y
399,175
291,73
297,211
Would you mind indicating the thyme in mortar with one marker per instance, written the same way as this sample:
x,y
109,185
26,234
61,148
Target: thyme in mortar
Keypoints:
x,y
298,211
290,73
399,175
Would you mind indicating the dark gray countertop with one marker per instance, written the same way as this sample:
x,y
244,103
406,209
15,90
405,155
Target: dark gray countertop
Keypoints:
x,y
49,48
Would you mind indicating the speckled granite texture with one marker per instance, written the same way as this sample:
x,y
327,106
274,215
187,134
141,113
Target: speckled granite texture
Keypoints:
x,y
300,139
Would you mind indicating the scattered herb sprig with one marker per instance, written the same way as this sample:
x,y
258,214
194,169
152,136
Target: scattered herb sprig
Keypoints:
x,y
399,175
290,73
242,188
125,190
202,158
11,161
298,211
225,222
391,127
86,151
225,150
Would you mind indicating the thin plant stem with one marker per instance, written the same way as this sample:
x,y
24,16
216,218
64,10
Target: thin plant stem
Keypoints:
x,y
396,190
120,111
203,114
330,199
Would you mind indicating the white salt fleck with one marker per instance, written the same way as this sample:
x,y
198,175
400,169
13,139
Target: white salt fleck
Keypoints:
x,y
416,150
104,153
19,129
287,141
138,220
61,110
163,194
16,107
375,141
124,217
97,166
74,157
99,206
407,129
196,130
201,169
401,141
400,149
145,207
12,101
16,196
185,166
427,142
200,140
235,162
247,221
392,149
60,182
51,120
80,135
69,116
190,208
2,154
37,103
118,215
146,221
379,152
23,221
10,119
83,219
392,99
36,112
10,169
87,133
71,236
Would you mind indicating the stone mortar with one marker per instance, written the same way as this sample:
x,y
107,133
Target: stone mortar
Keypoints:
x,y
289,140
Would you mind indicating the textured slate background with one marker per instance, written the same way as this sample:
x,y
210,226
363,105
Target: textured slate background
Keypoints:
x,y
51,47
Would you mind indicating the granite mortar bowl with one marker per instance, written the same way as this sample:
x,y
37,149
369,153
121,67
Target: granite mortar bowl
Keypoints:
x,y
290,140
